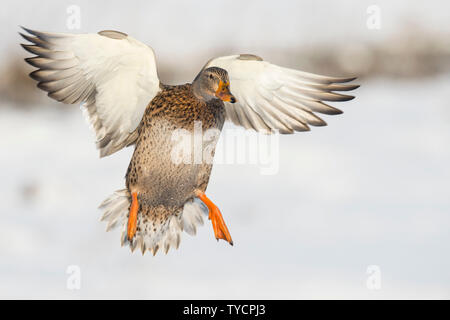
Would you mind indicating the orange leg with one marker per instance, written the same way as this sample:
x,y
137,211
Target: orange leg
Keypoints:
x,y
219,226
132,217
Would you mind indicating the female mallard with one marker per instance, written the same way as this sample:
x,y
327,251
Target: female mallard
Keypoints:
x,y
115,78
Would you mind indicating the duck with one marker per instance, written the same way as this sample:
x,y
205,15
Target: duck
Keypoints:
x,y
115,80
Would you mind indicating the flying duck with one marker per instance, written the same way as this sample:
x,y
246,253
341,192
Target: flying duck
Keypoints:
x,y
115,79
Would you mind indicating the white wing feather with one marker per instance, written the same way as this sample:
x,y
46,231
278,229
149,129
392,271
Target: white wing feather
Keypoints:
x,y
270,97
114,75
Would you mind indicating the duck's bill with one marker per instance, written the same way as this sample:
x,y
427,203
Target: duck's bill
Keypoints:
x,y
223,92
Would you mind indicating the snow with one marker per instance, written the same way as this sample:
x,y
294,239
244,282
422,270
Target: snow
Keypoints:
x,y
369,189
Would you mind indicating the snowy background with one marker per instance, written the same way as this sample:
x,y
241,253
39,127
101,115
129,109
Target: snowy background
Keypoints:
x,y
372,188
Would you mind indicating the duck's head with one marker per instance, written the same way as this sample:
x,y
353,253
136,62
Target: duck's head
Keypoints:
x,y
213,83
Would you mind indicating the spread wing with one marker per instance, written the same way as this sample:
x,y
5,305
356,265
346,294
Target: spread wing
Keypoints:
x,y
112,74
270,97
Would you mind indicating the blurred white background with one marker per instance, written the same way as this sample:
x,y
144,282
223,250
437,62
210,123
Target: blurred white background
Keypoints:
x,y
372,188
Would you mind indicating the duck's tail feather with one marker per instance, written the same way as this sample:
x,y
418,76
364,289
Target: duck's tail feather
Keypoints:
x,y
158,227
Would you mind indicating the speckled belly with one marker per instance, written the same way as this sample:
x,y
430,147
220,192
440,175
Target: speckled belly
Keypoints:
x,y
160,171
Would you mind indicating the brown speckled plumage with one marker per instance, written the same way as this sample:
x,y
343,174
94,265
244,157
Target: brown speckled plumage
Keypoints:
x,y
163,186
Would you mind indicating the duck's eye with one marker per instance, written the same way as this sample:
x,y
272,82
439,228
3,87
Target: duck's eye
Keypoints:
x,y
211,76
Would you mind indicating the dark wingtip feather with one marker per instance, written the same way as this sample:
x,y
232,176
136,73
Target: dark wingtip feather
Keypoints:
x,y
43,86
27,60
342,80
332,111
33,32
33,75
27,47
26,37
286,131
37,41
349,98
320,123
347,87
339,97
